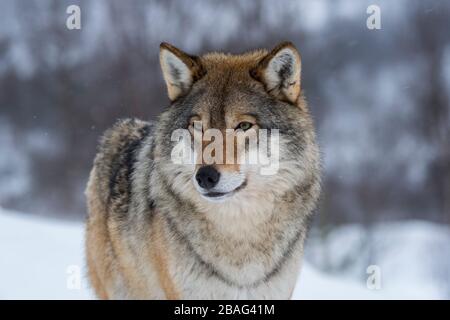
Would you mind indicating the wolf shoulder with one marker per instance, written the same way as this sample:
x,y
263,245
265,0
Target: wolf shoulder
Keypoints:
x,y
116,159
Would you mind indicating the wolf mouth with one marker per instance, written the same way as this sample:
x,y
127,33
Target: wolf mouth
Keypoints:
x,y
223,195
216,194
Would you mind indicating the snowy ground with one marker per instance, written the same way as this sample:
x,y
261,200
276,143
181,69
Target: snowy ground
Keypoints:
x,y
43,259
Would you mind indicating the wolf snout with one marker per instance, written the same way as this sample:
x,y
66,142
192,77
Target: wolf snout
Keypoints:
x,y
207,177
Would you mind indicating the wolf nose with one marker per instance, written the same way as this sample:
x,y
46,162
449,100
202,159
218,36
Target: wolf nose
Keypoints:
x,y
207,177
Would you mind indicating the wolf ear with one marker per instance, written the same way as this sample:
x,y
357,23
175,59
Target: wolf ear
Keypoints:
x,y
179,69
279,71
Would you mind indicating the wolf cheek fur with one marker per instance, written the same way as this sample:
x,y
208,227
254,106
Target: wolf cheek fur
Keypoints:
x,y
154,233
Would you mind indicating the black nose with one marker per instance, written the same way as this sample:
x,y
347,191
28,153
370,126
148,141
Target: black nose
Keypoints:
x,y
207,177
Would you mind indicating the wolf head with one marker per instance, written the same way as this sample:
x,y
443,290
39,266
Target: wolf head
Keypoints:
x,y
228,108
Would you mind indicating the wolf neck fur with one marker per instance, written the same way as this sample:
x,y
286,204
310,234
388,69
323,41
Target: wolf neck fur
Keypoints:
x,y
234,247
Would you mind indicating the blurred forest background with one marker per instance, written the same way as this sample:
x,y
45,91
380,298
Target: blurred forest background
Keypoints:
x,y
380,98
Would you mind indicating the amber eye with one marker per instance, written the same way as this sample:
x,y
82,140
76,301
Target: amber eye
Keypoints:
x,y
196,125
244,125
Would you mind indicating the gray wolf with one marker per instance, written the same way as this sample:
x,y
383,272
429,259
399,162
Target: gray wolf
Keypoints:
x,y
162,230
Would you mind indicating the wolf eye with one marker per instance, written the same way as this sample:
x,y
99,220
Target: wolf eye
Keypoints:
x,y
196,125
244,125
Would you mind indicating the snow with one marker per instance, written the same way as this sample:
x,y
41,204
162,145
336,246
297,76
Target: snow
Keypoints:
x,y
36,256
412,256
43,259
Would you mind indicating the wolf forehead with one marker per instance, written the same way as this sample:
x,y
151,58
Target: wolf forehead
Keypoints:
x,y
219,87
223,80
238,66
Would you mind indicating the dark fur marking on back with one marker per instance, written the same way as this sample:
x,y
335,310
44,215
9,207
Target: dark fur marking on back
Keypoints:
x,y
132,151
121,172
